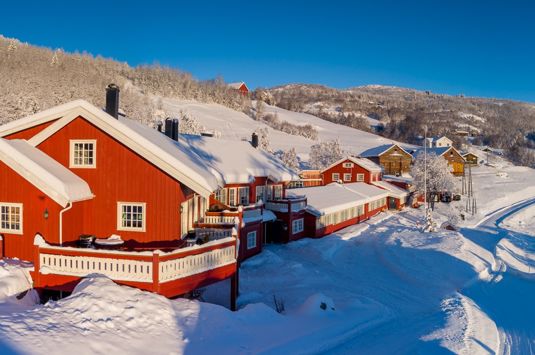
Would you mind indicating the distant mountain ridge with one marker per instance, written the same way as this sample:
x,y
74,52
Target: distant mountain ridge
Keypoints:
x,y
501,123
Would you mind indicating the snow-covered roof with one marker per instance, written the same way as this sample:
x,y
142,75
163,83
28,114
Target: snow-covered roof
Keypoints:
x,y
364,163
379,150
335,197
49,176
237,162
236,85
435,150
201,163
393,190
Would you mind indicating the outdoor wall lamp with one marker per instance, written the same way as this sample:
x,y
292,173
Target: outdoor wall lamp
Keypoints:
x,y
45,214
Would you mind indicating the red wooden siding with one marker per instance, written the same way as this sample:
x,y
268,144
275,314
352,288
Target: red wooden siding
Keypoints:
x,y
120,176
33,221
339,168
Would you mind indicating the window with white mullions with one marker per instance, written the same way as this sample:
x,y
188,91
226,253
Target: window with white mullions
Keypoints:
x,y
298,226
83,153
243,195
251,240
131,216
11,218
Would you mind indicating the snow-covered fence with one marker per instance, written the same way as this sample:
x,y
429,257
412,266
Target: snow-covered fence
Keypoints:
x,y
195,264
115,269
149,267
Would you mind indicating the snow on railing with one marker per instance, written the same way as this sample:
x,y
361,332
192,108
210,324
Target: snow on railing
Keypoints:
x,y
115,269
220,219
147,267
195,264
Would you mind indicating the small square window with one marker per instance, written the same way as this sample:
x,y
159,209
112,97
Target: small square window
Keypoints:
x,y
360,177
83,153
347,177
336,177
11,218
131,216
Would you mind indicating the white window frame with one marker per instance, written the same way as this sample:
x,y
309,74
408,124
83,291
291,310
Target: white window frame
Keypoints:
x,y
348,165
260,191
277,192
251,236
72,144
246,195
9,230
221,195
335,176
347,176
120,227
298,225
360,177
232,191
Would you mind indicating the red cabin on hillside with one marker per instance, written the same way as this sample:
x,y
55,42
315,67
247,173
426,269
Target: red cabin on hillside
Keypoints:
x,y
240,87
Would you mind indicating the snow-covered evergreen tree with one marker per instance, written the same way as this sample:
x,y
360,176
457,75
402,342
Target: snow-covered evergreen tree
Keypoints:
x,y
325,153
263,139
189,125
439,176
289,158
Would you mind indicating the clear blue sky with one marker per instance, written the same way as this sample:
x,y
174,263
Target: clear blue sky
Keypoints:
x,y
479,48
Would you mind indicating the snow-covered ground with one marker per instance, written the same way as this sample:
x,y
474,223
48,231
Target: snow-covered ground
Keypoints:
x,y
379,287
236,125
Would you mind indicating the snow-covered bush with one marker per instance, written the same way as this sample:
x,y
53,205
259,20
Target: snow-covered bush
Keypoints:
x,y
325,153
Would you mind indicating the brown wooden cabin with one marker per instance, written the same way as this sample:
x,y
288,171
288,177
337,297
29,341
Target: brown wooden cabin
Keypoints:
x,y
391,157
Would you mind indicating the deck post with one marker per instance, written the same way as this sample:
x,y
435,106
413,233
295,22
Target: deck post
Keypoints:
x,y
156,271
234,290
36,266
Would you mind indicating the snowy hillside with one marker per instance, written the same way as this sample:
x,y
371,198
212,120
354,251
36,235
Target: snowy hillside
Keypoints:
x,y
238,126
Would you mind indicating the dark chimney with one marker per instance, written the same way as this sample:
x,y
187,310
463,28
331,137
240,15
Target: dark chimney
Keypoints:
x,y
175,129
159,126
254,140
171,128
112,100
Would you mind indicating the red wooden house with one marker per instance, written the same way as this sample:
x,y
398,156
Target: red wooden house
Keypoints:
x,y
336,206
77,170
240,87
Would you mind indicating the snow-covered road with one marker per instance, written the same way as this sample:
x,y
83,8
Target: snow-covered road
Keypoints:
x,y
509,300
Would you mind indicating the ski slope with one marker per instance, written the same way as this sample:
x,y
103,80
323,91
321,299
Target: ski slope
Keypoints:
x,y
238,126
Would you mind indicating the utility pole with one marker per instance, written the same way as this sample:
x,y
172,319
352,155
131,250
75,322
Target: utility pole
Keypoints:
x,y
429,225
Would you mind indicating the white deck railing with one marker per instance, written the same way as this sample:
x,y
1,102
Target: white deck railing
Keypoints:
x,y
140,266
195,264
115,269
221,219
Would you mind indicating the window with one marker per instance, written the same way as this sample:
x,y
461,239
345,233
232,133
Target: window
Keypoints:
x,y
336,177
83,154
277,192
260,194
348,165
360,177
131,216
11,218
297,226
243,194
221,195
232,196
251,240
347,177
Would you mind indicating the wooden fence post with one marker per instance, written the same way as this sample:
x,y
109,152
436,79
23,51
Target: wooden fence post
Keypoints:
x,y
156,271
